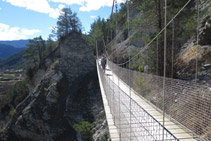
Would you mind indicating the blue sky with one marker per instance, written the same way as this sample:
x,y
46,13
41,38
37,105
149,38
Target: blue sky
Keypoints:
x,y
26,19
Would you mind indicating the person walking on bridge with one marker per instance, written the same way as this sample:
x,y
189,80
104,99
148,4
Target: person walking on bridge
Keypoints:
x,y
100,61
103,63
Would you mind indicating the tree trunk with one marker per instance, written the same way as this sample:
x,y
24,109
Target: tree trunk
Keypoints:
x,y
159,14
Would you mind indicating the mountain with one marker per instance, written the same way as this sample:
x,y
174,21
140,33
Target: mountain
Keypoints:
x,y
7,51
63,92
16,43
13,62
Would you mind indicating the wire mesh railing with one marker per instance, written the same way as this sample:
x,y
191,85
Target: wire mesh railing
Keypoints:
x,y
187,103
132,120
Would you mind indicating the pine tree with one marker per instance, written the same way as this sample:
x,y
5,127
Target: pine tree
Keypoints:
x,y
35,52
67,22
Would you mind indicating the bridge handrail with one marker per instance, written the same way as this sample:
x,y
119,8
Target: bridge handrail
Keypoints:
x,y
102,75
179,92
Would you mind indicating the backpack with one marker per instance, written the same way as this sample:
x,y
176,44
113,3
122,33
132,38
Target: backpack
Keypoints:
x,y
103,62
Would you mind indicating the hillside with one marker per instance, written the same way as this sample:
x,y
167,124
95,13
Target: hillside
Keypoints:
x,y
8,50
13,62
16,43
63,92
181,35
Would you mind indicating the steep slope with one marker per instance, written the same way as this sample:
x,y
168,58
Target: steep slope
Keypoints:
x,y
143,30
186,61
64,93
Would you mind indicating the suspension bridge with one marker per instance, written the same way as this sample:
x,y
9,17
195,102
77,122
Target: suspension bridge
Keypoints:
x,y
140,106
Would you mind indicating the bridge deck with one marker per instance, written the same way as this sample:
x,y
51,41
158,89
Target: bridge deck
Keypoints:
x,y
112,128
179,132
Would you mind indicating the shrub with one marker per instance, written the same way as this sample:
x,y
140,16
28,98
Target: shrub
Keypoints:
x,y
12,112
85,128
30,73
104,138
20,91
46,89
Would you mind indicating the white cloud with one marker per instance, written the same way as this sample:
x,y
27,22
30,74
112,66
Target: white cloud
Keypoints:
x,y
88,5
0,8
28,32
70,2
15,33
55,14
92,17
41,6
51,28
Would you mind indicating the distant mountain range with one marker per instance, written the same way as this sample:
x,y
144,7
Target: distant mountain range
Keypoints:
x,y
16,43
7,51
11,53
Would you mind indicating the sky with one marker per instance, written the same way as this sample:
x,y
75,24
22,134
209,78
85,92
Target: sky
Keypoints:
x,y
26,19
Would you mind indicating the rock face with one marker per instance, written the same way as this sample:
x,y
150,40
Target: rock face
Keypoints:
x,y
186,61
67,94
205,31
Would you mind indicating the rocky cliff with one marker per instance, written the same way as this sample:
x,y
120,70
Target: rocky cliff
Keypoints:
x,y
186,61
64,92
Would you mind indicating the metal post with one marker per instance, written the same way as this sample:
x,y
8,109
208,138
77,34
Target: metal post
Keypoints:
x,y
172,60
96,50
157,57
164,72
113,91
116,16
172,51
197,40
128,20
130,94
119,100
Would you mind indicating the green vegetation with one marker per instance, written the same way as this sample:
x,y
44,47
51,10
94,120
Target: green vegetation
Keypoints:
x,y
38,49
14,95
46,89
141,85
139,62
7,51
34,54
67,22
13,62
85,128
99,31
12,112
104,138
53,64
148,21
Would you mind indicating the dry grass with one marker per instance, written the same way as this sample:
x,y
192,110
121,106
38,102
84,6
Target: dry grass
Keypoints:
x,y
186,62
191,53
